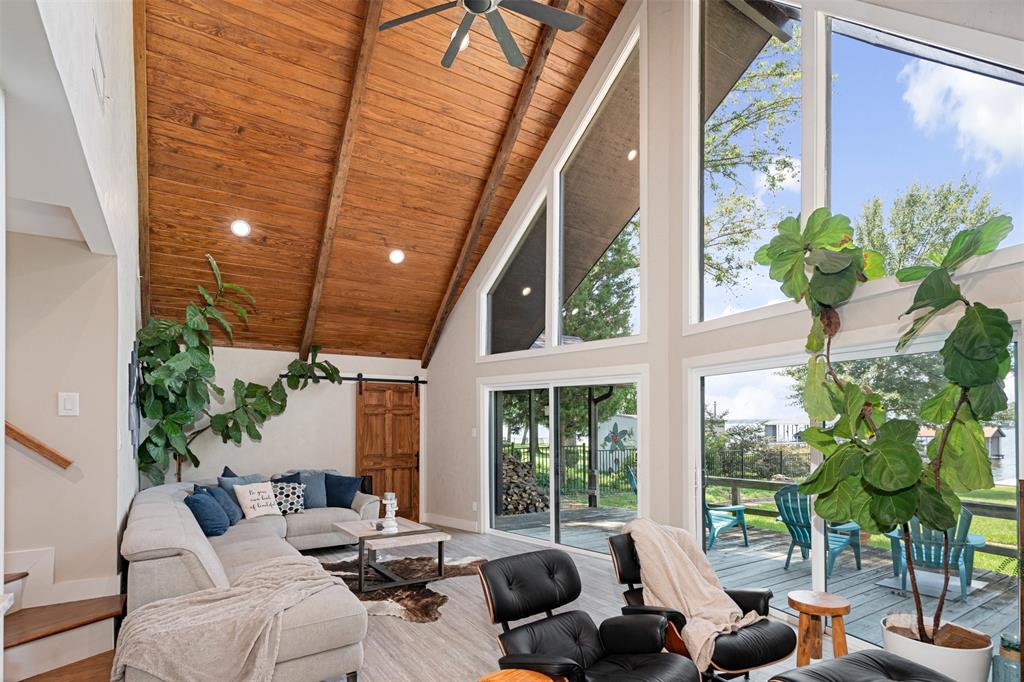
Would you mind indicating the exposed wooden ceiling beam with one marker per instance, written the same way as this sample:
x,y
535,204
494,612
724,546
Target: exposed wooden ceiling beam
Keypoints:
x,y
341,168
533,73
142,149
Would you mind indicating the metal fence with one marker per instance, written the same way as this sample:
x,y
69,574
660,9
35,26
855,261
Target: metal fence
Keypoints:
x,y
764,464
611,467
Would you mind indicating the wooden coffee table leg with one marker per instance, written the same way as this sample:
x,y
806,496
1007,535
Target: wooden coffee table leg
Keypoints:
x,y
838,637
803,652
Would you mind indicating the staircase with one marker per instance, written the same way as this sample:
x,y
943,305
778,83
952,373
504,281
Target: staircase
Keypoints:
x,y
64,636
67,641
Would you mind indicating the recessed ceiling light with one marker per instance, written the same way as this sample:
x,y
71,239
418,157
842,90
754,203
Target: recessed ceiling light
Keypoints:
x,y
465,41
396,256
631,155
240,228
527,291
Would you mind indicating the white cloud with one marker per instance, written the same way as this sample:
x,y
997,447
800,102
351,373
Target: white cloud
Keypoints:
x,y
788,168
986,114
752,395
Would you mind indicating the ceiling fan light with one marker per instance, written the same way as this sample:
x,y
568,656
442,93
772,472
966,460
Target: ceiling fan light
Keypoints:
x,y
396,256
240,228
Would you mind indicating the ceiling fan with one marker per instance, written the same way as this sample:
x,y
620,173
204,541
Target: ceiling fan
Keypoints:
x,y
552,16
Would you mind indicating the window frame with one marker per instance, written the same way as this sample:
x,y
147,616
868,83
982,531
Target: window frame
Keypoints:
x,y
634,37
815,162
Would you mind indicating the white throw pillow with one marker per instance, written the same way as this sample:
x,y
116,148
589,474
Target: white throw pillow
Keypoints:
x,y
257,499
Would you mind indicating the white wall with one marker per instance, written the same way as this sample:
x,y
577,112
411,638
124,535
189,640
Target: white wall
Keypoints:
x,y
106,129
61,309
318,429
670,352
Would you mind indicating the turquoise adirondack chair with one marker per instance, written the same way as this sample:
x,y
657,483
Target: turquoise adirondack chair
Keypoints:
x,y
795,512
926,547
631,477
721,519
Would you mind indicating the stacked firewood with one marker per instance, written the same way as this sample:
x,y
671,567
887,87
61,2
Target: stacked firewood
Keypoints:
x,y
520,492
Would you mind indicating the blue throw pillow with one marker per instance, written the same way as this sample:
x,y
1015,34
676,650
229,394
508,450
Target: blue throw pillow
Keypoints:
x,y
341,490
286,478
316,488
229,506
228,483
209,514
228,473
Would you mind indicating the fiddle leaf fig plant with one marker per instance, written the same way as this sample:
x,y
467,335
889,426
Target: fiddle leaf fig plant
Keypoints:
x,y
178,380
873,472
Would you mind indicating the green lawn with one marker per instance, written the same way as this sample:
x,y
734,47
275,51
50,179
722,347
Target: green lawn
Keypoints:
x,y
995,531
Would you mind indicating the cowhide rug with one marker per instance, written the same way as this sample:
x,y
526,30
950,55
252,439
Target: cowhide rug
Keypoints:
x,y
413,603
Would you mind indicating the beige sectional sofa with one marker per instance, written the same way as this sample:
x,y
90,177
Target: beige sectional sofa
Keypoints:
x,y
169,555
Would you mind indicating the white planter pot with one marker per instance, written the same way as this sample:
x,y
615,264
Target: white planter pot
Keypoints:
x,y
963,665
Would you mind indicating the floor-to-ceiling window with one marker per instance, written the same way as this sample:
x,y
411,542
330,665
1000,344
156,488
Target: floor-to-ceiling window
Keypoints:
x,y
915,135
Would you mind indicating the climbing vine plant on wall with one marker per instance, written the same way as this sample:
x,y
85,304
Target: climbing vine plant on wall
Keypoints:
x,y
178,380
872,471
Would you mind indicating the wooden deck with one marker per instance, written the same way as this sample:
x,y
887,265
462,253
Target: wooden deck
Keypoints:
x,y
991,609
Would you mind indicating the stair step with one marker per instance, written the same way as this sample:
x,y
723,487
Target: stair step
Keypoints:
x,y
11,577
28,625
93,669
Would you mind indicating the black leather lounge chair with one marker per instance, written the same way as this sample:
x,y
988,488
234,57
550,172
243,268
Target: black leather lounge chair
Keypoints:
x,y
569,644
864,665
737,653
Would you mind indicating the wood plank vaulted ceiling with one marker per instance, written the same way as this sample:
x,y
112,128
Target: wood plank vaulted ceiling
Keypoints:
x,y
245,102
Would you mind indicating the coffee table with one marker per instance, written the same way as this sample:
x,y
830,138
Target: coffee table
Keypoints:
x,y
372,539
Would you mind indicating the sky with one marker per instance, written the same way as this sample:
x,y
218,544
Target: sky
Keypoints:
x,y
896,120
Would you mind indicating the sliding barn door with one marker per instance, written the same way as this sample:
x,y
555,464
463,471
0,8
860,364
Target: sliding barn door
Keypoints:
x,y
388,442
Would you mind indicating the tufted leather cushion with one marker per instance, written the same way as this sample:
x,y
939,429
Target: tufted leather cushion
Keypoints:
x,y
527,584
864,666
643,668
761,643
571,635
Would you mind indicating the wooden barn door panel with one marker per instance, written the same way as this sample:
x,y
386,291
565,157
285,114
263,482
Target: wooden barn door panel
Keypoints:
x,y
388,442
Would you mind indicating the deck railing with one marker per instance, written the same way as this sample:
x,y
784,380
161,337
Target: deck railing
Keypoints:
x,y
735,486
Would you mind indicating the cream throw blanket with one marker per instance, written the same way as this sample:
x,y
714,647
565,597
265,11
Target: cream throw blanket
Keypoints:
x,y
223,633
676,574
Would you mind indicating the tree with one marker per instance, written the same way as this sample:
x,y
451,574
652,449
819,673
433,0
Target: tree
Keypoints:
x,y
602,305
921,220
744,138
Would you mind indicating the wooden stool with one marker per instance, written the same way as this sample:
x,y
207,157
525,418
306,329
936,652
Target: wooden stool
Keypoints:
x,y
811,607
512,675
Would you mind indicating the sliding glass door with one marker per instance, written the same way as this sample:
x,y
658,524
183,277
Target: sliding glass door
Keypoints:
x,y
566,473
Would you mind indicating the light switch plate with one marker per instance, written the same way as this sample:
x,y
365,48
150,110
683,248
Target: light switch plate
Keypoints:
x,y
67,404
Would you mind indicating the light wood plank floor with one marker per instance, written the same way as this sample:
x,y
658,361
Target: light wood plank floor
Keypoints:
x,y
461,646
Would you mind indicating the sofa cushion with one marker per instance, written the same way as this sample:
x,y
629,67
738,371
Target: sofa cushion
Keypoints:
x,y
329,619
210,516
341,490
228,483
316,487
262,525
239,553
257,499
315,521
290,497
229,506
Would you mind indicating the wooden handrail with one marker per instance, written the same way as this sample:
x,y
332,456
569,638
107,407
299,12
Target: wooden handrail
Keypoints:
x,y
36,445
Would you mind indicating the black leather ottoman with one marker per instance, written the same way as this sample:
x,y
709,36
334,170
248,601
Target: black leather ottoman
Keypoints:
x,y
864,666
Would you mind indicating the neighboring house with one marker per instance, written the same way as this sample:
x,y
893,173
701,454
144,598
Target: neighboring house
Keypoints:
x,y
775,430
994,437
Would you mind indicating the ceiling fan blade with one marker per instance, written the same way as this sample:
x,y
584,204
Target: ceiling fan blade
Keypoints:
x,y
417,15
552,16
453,47
505,39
